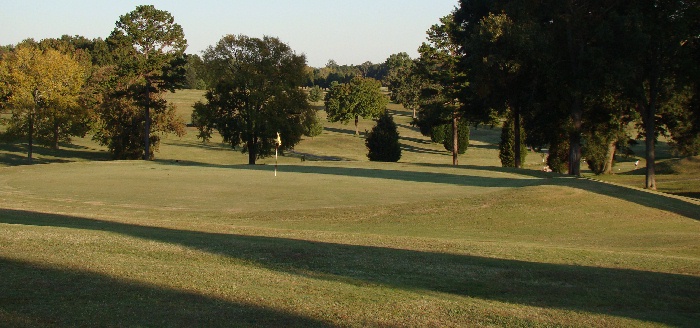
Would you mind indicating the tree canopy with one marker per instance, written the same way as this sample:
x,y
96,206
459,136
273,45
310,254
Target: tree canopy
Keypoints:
x,y
255,93
152,48
43,89
361,97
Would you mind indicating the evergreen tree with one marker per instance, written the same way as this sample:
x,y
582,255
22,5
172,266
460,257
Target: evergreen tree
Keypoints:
x,y
443,134
506,147
383,141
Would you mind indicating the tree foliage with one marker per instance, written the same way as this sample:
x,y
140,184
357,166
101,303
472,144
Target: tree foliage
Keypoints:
x,y
383,141
404,84
149,48
442,134
315,94
442,82
553,61
361,97
42,90
256,93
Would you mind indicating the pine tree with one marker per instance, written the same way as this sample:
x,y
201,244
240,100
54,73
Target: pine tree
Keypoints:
x,y
383,141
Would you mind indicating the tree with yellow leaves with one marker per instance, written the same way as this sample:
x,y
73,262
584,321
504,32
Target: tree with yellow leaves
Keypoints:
x,y
42,89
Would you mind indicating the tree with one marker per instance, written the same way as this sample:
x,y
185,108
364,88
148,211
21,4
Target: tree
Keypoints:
x,y
256,93
383,141
361,97
404,83
314,127
442,82
154,46
43,91
657,53
315,94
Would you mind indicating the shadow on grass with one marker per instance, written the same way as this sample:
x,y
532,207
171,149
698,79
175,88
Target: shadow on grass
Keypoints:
x,y
12,154
40,296
344,131
649,296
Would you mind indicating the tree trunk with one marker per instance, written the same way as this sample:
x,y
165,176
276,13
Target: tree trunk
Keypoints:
x,y
575,137
610,157
147,125
650,126
455,139
252,152
55,135
516,139
30,147
357,121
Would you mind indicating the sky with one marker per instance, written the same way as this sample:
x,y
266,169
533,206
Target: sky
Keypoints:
x,y
350,32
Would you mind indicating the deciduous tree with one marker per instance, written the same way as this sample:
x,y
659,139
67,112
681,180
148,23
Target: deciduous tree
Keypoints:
x,y
361,97
43,88
256,93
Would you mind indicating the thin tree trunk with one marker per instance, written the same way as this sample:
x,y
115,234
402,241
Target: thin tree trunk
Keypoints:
x,y
55,135
357,121
455,139
517,141
650,126
30,147
147,125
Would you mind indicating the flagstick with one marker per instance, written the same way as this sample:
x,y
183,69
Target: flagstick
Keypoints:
x,y
276,160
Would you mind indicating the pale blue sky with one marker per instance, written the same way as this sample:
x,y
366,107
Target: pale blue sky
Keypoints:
x,y
349,32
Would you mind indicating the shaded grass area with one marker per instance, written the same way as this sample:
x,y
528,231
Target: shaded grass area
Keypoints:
x,y
39,295
649,296
15,153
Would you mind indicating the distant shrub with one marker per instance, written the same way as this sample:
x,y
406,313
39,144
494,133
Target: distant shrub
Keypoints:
x,y
383,141
314,127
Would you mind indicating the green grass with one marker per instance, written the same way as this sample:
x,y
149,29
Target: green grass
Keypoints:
x,y
198,238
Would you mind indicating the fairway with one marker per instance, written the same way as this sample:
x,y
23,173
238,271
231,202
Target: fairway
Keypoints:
x,y
197,238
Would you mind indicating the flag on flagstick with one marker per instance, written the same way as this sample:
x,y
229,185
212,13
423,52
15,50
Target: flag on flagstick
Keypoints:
x,y
278,143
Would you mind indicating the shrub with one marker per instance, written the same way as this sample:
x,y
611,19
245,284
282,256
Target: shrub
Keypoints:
x,y
443,134
383,141
558,158
506,153
314,127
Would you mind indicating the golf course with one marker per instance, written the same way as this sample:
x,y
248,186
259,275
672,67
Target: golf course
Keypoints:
x,y
199,238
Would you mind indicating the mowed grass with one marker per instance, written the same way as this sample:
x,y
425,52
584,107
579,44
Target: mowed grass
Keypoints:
x,y
198,238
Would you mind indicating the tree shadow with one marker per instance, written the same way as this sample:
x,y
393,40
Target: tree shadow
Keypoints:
x,y
420,150
342,131
36,295
664,298
10,154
